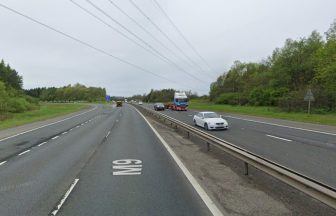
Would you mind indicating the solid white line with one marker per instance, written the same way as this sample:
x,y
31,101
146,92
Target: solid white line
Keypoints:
x,y
41,144
24,152
48,124
201,192
55,137
3,162
65,197
279,125
280,138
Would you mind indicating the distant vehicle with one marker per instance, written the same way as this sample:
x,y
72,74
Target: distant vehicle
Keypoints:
x,y
119,103
159,106
140,103
168,105
210,121
180,102
125,100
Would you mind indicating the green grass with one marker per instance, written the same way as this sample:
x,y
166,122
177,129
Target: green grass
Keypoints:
x,y
45,111
271,112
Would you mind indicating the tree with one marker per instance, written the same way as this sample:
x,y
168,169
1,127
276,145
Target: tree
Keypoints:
x,y
10,76
284,77
76,92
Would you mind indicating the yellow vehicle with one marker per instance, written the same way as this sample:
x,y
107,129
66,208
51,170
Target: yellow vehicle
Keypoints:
x,y
119,103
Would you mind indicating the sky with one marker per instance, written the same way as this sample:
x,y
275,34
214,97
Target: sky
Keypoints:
x,y
220,31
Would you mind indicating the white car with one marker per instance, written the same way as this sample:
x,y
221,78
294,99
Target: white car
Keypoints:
x,y
140,103
210,121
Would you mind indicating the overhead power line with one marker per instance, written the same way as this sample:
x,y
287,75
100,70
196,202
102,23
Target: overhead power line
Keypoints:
x,y
84,43
165,35
113,28
143,41
182,35
145,30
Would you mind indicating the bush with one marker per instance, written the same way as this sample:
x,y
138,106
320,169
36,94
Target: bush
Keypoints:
x,y
228,98
320,111
293,101
17,105
266,97
259,97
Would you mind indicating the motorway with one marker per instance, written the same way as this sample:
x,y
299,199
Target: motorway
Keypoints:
x,y
311,153
107,161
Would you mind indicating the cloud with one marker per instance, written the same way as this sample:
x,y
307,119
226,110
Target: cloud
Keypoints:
x,y
221,31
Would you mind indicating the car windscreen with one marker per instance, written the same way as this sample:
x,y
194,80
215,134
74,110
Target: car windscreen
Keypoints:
x,y
182,100
210,115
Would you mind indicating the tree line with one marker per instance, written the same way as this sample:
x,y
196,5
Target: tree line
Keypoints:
x,y
14,99
68,93
283,78
162,95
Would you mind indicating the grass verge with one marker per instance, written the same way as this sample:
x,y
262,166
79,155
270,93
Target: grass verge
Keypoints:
x,y
45,111
271,112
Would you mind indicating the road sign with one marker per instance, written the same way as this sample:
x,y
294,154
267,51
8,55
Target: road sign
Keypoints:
x,y
309,96
107,97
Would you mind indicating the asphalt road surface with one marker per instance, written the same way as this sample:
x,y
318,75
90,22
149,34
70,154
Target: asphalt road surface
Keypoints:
x,y
311,153
105,162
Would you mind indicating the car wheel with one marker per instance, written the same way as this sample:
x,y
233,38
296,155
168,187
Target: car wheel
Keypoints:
x,y
206,126
195,122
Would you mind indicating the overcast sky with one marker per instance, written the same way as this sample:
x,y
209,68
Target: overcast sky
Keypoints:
x,y
221,31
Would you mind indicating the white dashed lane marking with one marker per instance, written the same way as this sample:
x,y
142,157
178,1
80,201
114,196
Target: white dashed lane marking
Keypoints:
x,y
108,134
55,137
59,206
280,138
41,144
286,126
22,153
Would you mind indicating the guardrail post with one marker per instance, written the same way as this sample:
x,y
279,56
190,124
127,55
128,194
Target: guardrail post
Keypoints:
x,y
246,168
208,146
188,134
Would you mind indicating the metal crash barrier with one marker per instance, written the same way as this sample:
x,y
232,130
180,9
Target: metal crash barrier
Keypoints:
x,y
313,188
